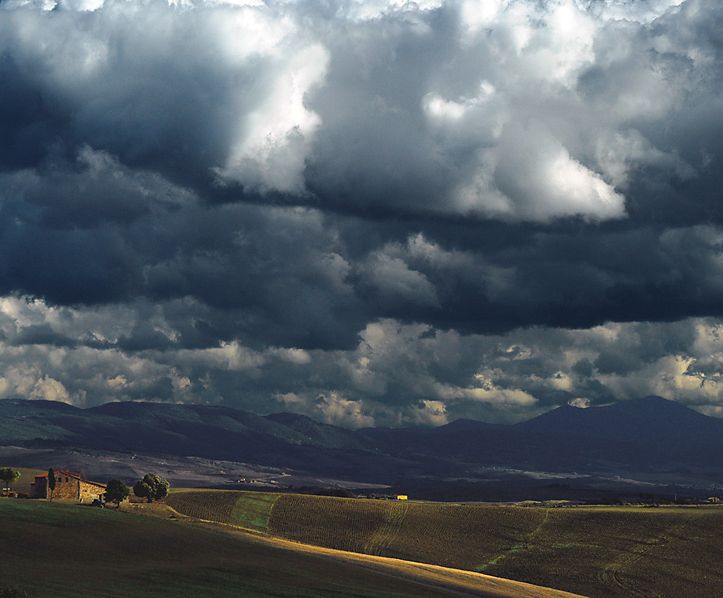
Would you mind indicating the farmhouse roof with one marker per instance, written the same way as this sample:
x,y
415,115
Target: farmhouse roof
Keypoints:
x,y
65,472
70,474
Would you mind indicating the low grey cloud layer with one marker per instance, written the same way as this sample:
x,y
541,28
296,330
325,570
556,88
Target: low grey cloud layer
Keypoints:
x,y
370,211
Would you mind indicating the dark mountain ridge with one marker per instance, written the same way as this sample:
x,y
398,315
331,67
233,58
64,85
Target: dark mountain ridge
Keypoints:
x,y
643,435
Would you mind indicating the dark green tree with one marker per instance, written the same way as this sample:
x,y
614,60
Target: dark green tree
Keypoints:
x,y
116,491
143,490
151,487
8,475
51,482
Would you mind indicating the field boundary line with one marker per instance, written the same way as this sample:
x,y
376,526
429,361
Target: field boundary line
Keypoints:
x,y
460,580
211,522
271,511
388,530
520,546
443,577
614,572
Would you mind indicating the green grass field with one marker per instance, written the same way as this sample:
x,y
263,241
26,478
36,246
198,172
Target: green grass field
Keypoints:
x,y
597,551
52,549
250,510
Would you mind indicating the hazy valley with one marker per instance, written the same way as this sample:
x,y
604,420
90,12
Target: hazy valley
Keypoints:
x,y
641,447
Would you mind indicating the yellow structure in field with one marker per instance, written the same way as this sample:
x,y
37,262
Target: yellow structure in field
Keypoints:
x,y
402,497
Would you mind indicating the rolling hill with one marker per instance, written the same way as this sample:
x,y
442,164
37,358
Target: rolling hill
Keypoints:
x,y
69,550
650,435
595,551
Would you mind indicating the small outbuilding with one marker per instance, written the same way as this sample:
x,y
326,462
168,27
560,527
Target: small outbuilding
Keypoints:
x,y
69,485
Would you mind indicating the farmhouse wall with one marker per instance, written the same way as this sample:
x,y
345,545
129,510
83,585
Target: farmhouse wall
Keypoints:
x,y
90,491
68,486
39,488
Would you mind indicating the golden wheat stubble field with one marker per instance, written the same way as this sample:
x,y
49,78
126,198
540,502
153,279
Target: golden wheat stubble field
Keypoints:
x,y
62,549
250,510
597,551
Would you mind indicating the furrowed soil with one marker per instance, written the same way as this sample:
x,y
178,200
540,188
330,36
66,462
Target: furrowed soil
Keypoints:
x,y
250,510
596,551
52,549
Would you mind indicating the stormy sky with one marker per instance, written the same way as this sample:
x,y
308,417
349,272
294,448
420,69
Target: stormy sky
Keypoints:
x,y
373,212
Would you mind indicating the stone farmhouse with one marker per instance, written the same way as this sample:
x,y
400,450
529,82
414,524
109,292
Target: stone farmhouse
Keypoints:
x,y
69,485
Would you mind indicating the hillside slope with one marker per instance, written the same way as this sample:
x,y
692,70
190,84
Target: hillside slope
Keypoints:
x,y
112,554
651,436
595,551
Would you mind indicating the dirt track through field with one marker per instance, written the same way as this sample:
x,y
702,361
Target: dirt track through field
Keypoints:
x,y
387,532
521,547
457,581
434,578
599,551
614,573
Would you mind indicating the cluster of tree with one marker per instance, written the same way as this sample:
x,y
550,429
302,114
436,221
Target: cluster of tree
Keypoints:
x,y
8,475
151,487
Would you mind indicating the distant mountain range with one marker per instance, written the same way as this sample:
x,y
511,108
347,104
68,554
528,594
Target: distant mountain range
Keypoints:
x,y
650,435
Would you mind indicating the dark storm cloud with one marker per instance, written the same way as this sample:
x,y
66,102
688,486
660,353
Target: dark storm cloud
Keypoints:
x,y
367,211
